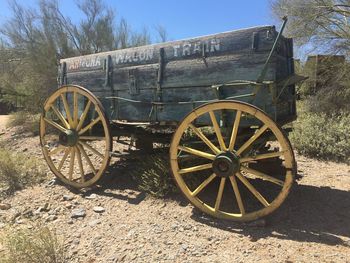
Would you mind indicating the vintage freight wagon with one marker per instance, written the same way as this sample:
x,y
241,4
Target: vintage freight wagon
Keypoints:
x,y
217,103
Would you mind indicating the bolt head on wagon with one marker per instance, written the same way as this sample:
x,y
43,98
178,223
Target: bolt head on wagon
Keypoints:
x,y
219,101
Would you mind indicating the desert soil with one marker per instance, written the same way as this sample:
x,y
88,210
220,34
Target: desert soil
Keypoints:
x,y
118,223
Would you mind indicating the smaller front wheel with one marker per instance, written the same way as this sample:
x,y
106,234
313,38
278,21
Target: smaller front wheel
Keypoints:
x,y
232,161
75,136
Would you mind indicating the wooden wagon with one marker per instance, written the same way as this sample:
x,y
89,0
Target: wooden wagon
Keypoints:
x,y
218,100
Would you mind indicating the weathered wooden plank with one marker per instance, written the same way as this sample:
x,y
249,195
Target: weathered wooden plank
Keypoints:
x,y
234,42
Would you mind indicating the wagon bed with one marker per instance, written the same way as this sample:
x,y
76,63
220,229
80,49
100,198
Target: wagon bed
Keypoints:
x,y
163,82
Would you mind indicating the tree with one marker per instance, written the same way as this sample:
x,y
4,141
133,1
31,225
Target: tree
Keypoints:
x,y
323,24
33,40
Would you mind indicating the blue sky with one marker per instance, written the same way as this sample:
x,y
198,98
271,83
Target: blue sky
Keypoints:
x,y
181,18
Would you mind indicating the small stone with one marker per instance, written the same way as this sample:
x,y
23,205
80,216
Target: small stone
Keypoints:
x,y
92,196
76,241
70,222
67,198
69,205
98,209
2,225
78,213
51,218
4,206
94,222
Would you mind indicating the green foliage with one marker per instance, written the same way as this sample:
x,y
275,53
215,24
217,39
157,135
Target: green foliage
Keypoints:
x,y
322,136
28,122
18,171
330,100
36,39
27,246
153,175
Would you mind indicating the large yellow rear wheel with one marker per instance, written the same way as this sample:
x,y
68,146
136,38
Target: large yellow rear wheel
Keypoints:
x,y
241,169
75,136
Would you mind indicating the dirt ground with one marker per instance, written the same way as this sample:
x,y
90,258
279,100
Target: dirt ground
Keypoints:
x,y
313,225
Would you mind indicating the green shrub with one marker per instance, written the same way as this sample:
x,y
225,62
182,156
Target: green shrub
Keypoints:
x,y
25,246
322,136
18,171
330,100
153,176
26,121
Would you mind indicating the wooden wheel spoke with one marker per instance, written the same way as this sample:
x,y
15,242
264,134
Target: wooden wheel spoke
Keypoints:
x,y
220,192
87,159
252,139
80,163
262,156
83,115
75,109
235,131
56,125
196,152
204,139
195,168
262,176
217,131
57,150
60,165
60,116
203,185
237,194
252,189
91,149
71,163
89,126
66,109
92,138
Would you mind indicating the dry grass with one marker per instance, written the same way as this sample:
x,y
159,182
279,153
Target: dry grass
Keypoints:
x,y
18,171
32,246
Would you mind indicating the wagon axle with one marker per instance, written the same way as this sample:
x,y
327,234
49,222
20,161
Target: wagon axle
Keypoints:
x,y
69,138
225,164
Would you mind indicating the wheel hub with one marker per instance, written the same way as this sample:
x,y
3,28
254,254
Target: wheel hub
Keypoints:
x,y
69,138
226,164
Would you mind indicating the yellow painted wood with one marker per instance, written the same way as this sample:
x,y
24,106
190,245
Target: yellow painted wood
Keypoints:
x,y
262,156
235,130
245,214
71,163
75,109
252,189
262,176
80,163
252,139
84,115
91,149
195,168
60,116
66,109
81,149
204,139
197,152
60,148
74,122
203,185
91,138
219,196
63,159
89,126
237,194
54,124
217,131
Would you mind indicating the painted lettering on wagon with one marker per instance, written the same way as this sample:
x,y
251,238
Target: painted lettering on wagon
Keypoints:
x,y
84,63
136,56
180,50
188,48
